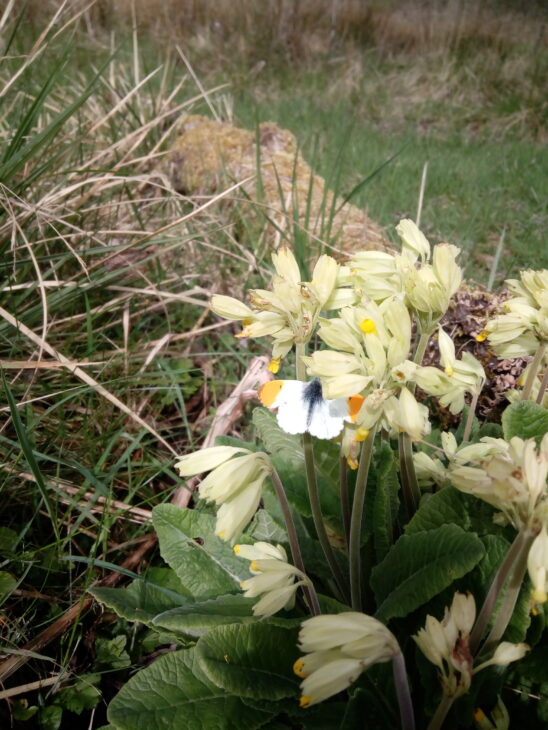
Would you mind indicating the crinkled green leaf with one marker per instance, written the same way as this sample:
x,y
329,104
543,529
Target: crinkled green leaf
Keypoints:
x,y
451,507
195,619
264,527
421,565
385,502
251,660
274,439
145,598
205,564
172,694
525,419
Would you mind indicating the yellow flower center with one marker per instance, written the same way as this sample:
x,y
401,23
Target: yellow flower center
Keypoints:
x,y
479,715
482,336
253,565
362,434
298,668
352,463
305,701
274,365
236,549
368,326
449,370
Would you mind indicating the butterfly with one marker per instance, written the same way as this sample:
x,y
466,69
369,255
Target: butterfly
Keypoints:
x,y
302,407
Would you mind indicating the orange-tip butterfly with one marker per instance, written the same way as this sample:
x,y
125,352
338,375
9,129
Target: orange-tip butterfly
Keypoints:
x,y
301,407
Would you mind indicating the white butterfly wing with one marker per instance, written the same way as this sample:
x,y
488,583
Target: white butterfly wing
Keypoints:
x,y
292,410
328,418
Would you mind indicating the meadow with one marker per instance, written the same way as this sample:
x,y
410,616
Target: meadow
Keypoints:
x,y
112,360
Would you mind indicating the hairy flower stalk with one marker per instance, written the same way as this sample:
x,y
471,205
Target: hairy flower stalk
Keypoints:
x,y
308,588
338,648
356,521
313,493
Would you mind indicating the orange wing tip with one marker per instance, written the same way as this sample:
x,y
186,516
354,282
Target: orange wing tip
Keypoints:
x,y
354,405
269,392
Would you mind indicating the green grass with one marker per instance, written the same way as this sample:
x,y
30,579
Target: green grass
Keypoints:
x,y
71,197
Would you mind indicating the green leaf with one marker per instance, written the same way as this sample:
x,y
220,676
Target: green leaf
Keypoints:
x,y
83,695
159,591
274,439
50,717
173,694
449,506
525,419
264,527
8,540
112,653
252,660
196,618
205,565
420,566
385,502
7,584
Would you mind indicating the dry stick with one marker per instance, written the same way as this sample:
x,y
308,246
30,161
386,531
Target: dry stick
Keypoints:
x,y
308,589
62,624
30,687
227,414
421,193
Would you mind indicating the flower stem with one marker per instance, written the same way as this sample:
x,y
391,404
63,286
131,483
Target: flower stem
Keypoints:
x,y
402,692
536,363
441,713
501,576
543,386
356,520
410,485
470,417
512,592
309,590
345,503
313,493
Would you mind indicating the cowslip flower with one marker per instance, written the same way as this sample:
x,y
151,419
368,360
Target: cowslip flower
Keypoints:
x,y
338,648
234,482
457,378
523,326
371,342
512,477
289,311
274,578
445,643
537,566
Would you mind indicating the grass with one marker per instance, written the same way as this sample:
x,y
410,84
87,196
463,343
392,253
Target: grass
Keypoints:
x,y
111,360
